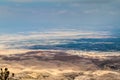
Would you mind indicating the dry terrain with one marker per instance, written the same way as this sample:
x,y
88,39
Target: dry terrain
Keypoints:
x,y
61,65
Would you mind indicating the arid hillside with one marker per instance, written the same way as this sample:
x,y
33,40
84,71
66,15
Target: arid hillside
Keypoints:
x,y
61,65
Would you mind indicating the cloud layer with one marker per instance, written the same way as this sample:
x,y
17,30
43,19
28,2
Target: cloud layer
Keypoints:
x,y
49,38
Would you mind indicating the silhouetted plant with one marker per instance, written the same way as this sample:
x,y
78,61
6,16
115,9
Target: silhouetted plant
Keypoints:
x,y
4,75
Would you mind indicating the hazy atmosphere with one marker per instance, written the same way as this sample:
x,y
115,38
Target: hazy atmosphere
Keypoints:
x,y
22,20
48,15
60,39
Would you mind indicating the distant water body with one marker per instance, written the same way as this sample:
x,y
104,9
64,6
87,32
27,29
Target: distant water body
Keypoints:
x,y
85,44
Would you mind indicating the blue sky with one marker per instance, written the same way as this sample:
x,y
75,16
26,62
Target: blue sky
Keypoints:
x,y
48,15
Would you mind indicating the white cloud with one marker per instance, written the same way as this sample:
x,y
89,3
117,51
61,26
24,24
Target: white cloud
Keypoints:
x,y
50,35
49,38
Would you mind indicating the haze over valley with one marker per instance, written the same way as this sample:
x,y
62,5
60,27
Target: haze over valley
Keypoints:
x,y
60,39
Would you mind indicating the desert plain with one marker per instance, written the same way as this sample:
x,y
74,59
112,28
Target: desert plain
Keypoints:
x,y
61,64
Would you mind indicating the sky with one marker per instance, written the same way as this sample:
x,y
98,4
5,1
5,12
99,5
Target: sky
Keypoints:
x,y
22,16
29,22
